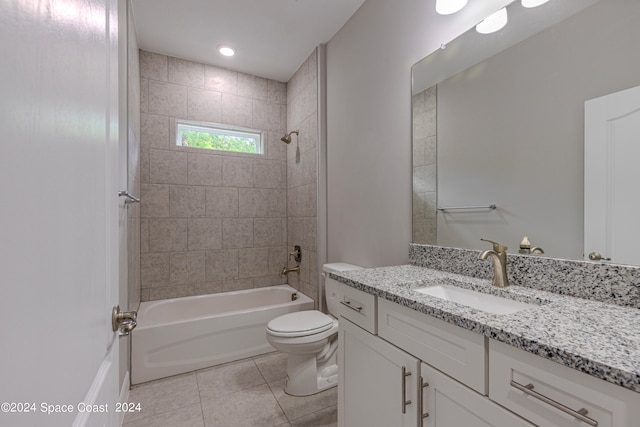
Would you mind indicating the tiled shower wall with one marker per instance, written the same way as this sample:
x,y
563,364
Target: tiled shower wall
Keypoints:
x,y
133,158
424,167
210,221
302,158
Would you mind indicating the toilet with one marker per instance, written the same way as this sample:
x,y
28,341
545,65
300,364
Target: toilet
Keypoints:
x,y
310,340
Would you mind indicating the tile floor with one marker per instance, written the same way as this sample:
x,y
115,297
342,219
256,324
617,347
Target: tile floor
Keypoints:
x,y
248,392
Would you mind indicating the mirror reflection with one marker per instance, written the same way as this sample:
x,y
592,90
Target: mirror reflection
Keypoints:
x,y
499,120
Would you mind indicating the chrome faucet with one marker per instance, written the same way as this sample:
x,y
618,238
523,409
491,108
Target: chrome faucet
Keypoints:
x,y
499,254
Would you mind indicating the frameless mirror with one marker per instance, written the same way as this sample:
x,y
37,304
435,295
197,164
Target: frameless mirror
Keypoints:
x,y
498,120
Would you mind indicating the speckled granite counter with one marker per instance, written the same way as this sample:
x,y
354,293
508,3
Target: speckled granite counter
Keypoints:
x,y
600,339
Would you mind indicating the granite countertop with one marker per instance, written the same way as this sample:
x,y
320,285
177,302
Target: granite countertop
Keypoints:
x,y
600,339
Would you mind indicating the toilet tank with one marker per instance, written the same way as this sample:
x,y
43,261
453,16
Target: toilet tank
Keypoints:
x,y
330,284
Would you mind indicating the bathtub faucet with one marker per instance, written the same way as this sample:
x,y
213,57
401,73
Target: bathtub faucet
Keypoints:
x,y
287,270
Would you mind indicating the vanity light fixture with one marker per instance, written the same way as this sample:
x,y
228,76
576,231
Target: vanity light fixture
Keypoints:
x,y
226,50
493,23
447,7
533,3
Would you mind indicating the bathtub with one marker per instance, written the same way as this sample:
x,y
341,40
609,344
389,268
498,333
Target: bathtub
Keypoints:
x,y
184,334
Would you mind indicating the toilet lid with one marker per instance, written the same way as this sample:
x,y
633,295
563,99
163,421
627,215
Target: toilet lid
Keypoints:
x,y
300,323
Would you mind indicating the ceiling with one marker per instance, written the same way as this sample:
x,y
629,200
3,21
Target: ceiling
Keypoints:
x,y
272,38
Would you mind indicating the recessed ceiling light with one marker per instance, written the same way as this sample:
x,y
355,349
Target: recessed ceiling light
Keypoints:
x,y
533,3
447,7
493,23
226,50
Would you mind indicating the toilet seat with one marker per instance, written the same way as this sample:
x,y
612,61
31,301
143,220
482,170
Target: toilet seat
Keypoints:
x,y
300,324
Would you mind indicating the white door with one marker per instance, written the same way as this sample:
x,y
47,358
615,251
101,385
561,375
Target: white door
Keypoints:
x,y
58,218
611,176
372,390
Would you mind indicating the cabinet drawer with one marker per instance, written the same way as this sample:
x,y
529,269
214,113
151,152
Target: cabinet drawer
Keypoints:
x,y
455,351
357,306
552,391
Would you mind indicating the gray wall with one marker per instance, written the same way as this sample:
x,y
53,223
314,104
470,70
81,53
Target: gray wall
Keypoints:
x,y
369,123
511,131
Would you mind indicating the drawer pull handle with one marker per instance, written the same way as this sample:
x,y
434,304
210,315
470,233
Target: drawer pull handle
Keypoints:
x,y
424,415
405,402
348,304
580,414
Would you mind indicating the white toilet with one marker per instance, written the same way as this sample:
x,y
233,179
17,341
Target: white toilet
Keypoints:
x,y
310,339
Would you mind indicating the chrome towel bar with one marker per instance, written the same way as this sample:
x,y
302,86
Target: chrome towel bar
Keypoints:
x,y
128,197
492,207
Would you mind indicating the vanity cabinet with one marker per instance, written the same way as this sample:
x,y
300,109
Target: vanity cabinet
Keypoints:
x,y
447,403
378,381
422,371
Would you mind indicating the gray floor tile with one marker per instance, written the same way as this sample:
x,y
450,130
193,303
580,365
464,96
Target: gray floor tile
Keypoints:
x,y
190,416
225,379
296,407
272,366
324,418
165,395
246,408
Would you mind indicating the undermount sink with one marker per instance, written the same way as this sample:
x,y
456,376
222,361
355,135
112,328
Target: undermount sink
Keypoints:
x,y
478,300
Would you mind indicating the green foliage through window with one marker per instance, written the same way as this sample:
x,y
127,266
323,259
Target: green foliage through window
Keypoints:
x,y
240,141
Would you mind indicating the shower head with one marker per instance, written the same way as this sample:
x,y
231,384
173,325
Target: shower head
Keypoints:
x,y
287,138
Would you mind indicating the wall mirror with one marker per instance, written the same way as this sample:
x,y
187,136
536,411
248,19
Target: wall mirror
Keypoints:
x,y
498,119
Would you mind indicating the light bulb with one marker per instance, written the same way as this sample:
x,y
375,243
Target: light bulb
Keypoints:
x,y
494,22
447,7
226,50
533,3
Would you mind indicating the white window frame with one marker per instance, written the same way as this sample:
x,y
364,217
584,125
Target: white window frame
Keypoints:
x,y
219,129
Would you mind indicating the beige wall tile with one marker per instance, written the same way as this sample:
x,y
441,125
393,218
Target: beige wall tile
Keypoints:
x,y
259,202
237,233
154,131
205,233
204,105
187,268
144,235
166,292
144,166
168,167
153,66
274,148
220,80
268,232
221,264
237,284
237,171
205,169
168,234
167,99
187,201
277,260
269,173
276,92
252,86
237,110
253,262
154,269
222,201
154,200
266,115
144,95
184,72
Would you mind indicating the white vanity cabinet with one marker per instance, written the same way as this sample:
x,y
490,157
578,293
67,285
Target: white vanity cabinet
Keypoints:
x,y
447,403
378,381
549,394
469,380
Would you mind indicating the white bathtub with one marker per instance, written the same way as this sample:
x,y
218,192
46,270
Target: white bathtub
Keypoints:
x,y
184,334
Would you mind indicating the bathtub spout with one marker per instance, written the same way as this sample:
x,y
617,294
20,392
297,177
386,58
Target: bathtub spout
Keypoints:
x,y
287,270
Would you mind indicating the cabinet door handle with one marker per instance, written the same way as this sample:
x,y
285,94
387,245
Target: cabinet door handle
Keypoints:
x,y
423,414
405,402
348,304
579,414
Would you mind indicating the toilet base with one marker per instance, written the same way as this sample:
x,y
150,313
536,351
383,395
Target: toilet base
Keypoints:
x,y
308,375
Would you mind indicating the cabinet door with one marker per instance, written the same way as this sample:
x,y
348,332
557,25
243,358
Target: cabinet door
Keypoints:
x,y
450,404
371,385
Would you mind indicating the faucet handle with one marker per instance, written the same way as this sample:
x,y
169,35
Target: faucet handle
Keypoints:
x,y
497,247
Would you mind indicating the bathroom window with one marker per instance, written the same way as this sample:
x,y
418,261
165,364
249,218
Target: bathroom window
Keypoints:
x,y
213,136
